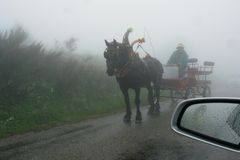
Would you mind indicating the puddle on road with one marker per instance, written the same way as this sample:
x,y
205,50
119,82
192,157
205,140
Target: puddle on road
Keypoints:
x,y
159,150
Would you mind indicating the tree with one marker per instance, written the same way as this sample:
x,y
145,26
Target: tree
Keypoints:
x,y
71,44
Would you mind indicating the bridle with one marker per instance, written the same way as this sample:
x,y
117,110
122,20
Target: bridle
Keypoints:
x,y
123,71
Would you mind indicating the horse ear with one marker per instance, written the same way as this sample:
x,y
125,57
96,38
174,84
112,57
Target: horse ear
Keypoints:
x,y
106,42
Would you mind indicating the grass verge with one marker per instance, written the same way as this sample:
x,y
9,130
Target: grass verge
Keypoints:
x,y
31,116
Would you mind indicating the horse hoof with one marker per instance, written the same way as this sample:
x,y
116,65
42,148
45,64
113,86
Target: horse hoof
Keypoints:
x,y
138,121
157,111
126,120
150,112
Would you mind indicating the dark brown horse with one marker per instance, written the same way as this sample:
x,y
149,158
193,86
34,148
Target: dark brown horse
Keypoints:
x,y
135,73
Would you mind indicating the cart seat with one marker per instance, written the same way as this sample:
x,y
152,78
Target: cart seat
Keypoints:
x,y
204,72
208,63
204,82
192,60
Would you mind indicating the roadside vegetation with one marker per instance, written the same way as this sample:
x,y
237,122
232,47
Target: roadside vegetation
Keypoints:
x,y
41,88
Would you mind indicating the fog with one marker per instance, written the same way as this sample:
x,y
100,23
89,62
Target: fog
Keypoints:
x,y
208,29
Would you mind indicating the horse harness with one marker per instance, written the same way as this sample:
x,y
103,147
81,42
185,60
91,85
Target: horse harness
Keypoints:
x,y
132,56
122,72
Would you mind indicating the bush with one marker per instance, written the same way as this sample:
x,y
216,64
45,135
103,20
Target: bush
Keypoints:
x,y
40,87
27,70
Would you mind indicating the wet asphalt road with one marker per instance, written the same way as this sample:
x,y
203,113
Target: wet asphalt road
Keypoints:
x,y
109,138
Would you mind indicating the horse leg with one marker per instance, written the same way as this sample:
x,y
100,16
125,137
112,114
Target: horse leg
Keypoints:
x,y
150,99
137,102
157,92
127,117
157,96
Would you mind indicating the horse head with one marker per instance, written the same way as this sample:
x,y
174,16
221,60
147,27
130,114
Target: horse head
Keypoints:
x,y
116,56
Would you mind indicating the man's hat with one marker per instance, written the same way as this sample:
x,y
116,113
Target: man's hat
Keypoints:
x,y
130,29
180,45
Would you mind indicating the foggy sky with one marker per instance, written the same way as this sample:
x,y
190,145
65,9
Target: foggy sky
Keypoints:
x,y
209,29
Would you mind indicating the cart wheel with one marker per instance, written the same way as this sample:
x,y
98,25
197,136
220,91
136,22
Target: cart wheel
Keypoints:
x,y
190,93
199,90
172,95
207,91
176,95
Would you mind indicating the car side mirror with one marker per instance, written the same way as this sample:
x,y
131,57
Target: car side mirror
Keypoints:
x,y
215,121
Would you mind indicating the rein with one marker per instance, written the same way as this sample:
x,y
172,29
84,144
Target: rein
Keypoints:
x,y
122,72
140,46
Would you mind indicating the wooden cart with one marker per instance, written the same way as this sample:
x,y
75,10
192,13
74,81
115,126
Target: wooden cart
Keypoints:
x,y
195,82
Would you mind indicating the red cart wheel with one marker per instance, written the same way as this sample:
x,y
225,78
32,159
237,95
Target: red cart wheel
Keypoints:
x,y
207,91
